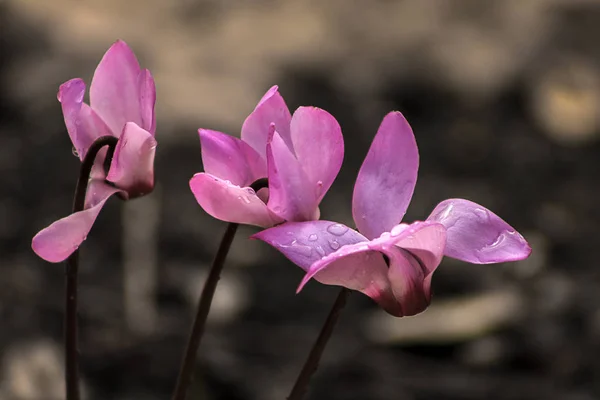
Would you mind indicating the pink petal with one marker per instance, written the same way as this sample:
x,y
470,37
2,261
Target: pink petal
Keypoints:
x,y
319,146
387,178
407,281
477,235
291,196
132,166
271,109
115,92
147,98
83,125
59,240
231,203
304,243
230,158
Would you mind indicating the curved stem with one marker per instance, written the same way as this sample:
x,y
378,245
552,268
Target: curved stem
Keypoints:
x,y
72,266
186,372
312,362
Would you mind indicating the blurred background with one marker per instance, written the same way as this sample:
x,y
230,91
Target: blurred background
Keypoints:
x,y
504,100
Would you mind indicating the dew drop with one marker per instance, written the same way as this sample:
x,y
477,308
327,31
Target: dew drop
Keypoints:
x,y
398,229
228,182
320,251
250,191
482,214
337,229
334,244
312,237
75,152
246,199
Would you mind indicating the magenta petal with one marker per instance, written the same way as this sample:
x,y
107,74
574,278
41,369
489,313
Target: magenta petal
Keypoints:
x,y
477,235
291,196
59,240
407,280
304,243
231,203
83,125
230,158
387,178
132,166
115,93
319,146
271,109
147,99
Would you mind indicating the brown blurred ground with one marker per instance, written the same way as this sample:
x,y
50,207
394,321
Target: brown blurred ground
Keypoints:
x,y
504,99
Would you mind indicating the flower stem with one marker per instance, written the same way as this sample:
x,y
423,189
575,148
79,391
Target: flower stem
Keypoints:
x,y
72,266
312,362
186,371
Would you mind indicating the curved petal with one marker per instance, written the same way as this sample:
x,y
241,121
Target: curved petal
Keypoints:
x,y
291,196
271,109
83,124
231,203
147,99
132,166
477,235
304,243
230,158
407,280
387,178
319,146
59,240
115,93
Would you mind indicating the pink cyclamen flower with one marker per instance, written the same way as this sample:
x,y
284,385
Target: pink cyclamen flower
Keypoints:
x,y
389,261
122,97
300,155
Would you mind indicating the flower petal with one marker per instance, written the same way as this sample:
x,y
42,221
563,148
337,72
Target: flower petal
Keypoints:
x,y
231,203
115,93
132,166
304,243
387,178
147,98
477,235
230,158
291,196
407,282
83,124
319,146
271,109
59,240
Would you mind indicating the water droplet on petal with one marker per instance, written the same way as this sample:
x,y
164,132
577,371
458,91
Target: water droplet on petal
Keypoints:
x,y
246,199
320,183
334,244
337,229
398,229
228,182
250,191
482,214
75,152
320,251
312,237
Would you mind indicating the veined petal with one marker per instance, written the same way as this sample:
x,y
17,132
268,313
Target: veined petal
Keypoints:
x,y
132,166
304,243
115,93
387,178
271,109
477,235
231,203
59,240
230,158
290,194
83,124
147,99
319,146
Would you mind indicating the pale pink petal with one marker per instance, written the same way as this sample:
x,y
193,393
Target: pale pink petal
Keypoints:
x,y
477,235
147,98
387,178
132,166
230,158
319,146
83,125
59,240
115,93
271,109
231,203
291,196
304,243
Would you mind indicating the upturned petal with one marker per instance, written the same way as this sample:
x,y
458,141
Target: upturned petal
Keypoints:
x,y
132,166
228,202
230,158
83,124
115,89
291,196
59,240
387,178
147,99
319,146
477,235
304,243
271,109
